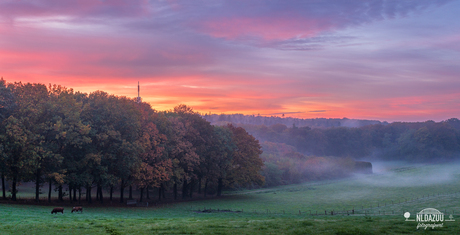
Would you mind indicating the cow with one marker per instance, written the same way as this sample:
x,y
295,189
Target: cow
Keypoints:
x,y
77,208
58,209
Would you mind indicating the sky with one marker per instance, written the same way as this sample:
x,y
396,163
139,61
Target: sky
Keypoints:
x,y
383,60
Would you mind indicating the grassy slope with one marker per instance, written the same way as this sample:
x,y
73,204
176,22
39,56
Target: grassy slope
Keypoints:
x,y
180,218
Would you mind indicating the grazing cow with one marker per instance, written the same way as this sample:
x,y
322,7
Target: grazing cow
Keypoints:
x,y
58,209
77,208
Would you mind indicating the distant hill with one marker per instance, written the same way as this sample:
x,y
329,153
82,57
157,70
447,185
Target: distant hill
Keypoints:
x,y
219,119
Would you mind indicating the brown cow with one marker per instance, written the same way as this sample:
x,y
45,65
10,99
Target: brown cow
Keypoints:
x,y
58,209
77,208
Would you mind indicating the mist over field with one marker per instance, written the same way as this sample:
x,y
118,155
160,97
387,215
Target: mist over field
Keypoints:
x,y
404,174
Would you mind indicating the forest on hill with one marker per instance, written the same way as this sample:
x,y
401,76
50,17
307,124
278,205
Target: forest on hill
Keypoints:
x,y
296,154
411,141
219,119
82,141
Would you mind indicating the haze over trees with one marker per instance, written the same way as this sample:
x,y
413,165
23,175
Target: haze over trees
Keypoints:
x,y
71,139
416,142
295,154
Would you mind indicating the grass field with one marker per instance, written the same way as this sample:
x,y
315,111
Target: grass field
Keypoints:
x,y
379,201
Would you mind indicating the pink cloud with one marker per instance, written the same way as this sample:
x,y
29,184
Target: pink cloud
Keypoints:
x,y
267,28
82,8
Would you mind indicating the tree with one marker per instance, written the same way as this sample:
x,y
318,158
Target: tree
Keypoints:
x,y
115,148
219,163
23,134
199,133
7,104
15,148
65,137
180,150
155,168
246,163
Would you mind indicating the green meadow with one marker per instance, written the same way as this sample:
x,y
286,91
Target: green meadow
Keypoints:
x,y
365,204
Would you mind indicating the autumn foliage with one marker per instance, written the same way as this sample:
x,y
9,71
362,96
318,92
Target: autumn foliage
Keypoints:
x,y
84,141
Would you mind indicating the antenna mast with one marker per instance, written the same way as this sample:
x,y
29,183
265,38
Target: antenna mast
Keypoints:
x,y
139,100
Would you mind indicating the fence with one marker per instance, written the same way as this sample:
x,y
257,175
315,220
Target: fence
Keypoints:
x,y
379,208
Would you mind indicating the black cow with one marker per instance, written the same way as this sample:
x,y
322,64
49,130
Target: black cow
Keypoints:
x,y
58,209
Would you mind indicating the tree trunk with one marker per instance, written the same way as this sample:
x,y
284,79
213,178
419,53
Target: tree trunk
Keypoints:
x,y
163,191
88,194
148,195
159,192
184,188
111,192
122,189
142,194
37,186
49,191
75,194
199,185
206,187
97,192
70,193
192,183
175,191
3,186
79,194
219,187
130,192
101,195
60,193
13,193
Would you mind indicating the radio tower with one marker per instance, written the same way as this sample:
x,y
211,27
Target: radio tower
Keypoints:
x,y
139,100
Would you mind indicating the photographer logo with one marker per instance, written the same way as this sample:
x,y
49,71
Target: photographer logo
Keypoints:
x,y
429,218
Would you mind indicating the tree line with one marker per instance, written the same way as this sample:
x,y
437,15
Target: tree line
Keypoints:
x,y
410,141
296,154
284,165
83,141
219,119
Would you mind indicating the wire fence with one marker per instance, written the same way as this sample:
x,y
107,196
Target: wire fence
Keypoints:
x,y
377,208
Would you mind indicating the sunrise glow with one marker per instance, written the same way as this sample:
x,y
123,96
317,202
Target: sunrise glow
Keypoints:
x,y
392,61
